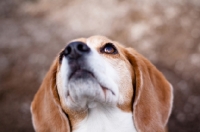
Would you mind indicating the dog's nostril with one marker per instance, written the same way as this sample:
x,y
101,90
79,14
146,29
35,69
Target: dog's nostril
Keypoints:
x,y
83,47
67,50
76,49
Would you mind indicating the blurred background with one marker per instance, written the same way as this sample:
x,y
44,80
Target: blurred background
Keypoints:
x,y
32,32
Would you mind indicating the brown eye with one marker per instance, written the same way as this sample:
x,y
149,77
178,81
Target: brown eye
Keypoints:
x,y
109,48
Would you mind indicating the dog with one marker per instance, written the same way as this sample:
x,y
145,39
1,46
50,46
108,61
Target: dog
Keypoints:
x,y
98,85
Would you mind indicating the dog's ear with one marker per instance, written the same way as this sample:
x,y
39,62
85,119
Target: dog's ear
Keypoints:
x,y
47,114
152,95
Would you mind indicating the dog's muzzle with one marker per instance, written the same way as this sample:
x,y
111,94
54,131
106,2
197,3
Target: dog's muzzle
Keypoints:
x,y
75,50
76,53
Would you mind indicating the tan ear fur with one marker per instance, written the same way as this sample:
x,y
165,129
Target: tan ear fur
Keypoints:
x,y
153,95
47,114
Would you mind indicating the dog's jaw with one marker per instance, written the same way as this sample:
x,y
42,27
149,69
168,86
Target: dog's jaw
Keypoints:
x,y
96,85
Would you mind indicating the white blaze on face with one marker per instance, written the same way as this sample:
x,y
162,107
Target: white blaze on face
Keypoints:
x,y
110,73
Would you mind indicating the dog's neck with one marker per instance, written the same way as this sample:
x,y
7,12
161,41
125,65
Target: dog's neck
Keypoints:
x,y
101,119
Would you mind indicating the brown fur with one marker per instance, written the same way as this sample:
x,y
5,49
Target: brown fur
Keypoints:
x,y
46,110
153,95
150,99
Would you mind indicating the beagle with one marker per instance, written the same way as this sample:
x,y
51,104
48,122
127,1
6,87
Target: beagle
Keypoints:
x,y
97,85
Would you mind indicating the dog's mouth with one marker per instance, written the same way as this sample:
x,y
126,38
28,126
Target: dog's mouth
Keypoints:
x,y
106,89
81,73
86,74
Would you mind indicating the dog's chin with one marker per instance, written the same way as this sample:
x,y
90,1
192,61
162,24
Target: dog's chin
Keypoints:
x,y
84,92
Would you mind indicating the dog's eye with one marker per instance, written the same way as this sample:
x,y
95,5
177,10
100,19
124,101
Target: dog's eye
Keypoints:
x,y
109,48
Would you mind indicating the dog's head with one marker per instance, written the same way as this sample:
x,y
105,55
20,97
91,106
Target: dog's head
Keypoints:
x,y
98,72
93,72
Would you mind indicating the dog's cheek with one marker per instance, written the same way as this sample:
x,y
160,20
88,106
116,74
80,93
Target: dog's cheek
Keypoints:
x,y
125,86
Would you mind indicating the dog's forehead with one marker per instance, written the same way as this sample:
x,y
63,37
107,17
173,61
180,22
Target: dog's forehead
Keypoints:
x,y
95,41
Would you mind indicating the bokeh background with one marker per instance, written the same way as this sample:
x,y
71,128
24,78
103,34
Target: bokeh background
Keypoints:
x,y
32,32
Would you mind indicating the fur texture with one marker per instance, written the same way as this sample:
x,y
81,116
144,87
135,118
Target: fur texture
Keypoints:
x,y
119,92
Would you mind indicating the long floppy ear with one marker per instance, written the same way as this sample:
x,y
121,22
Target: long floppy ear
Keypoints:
x,y
153,95
47,114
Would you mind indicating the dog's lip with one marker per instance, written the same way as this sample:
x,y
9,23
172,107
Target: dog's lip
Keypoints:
x,y
80,70
84,70
105,88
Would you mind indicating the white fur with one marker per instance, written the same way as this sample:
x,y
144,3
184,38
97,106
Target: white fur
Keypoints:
x,y
33,118
103,112
106,120
171,102
86,92
141,85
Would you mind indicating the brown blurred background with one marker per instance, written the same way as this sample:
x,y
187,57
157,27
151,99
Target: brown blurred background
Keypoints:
x,y
32,32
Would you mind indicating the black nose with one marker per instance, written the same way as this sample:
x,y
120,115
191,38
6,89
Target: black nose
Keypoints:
x,y
76,49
